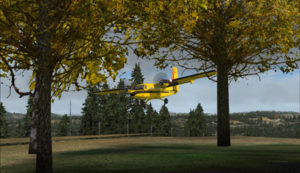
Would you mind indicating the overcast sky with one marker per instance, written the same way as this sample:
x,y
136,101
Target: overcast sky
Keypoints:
x,y
275,91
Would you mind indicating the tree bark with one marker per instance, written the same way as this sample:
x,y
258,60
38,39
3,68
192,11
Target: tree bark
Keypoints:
x,y
223,106
42,100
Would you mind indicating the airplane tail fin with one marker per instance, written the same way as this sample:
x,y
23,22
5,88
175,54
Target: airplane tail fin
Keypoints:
x,y
175,76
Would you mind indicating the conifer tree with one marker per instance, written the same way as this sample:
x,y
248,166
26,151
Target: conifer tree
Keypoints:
x,y
123,107
165,121
196,122
63,126
136,75
103,110
137,109
156,124
138,117
90,114
19,129
149,118
27,118
3,124
112,114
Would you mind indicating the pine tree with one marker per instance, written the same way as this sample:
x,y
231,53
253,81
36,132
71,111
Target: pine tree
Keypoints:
x,y
138,117
123,107
20,131
136,75
137,109
156,124
195,125
27,118
90,114
103,111
3,124
149,118
165,121
63,126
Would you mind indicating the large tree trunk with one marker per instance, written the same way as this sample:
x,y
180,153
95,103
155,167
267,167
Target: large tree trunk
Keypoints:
x,y
43,92
43,112
223,106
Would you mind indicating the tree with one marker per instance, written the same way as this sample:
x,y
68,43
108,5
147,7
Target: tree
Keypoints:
x,y
63,126
19,129
164,121
150,118
138,116
27,118
156,121
103,110
136,75
90,113
196,122
238,38
3,124
137,106
61,43
122,100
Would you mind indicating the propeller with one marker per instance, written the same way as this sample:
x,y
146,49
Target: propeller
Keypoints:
x,y
161,78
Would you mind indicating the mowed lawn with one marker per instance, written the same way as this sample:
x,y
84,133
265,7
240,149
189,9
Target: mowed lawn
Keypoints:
x,y
161,154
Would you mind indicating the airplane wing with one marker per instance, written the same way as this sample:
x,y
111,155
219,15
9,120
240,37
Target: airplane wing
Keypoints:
x,y
191,78
112,91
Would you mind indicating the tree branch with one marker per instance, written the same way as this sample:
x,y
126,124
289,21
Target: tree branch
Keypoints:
x,y
12,74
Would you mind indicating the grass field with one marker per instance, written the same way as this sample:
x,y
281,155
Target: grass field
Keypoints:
x,y
160,154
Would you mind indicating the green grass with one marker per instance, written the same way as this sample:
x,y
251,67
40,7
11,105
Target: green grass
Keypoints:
x,y
156,154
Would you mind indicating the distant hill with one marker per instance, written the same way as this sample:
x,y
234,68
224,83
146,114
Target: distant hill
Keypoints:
x,y
14,119
256,123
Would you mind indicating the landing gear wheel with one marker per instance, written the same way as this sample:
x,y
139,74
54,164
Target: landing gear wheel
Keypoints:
x,y
142,103
166,101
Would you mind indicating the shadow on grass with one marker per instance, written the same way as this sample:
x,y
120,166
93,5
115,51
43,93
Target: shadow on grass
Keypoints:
x,y
178,158
129,150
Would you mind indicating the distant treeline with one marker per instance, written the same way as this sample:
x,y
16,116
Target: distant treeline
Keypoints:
x,y
122,114
259,123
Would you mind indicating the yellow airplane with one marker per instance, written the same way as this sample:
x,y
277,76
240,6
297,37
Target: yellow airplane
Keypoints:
x,y
164,88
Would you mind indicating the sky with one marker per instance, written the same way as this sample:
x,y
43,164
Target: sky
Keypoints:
x,y
275,91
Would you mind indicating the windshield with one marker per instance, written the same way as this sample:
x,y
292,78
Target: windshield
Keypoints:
x,y
139,87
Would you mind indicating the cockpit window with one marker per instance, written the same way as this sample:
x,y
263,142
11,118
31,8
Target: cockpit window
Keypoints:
x,y
139,87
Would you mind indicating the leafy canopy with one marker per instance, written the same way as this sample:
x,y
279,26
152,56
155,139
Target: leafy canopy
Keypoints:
x,y
84,42
248,37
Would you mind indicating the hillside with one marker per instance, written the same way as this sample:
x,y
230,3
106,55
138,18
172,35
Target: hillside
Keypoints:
x,y
258,123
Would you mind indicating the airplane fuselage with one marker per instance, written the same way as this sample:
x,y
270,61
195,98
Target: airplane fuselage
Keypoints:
x,y
149,91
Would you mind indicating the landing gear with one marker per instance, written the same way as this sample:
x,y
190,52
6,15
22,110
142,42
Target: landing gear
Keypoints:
x,y
166,101
143,103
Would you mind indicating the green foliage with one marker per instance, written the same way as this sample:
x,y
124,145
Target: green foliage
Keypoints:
x,y
150,118
3,124
64,126
137,114
90,113
136,75
27,118
195,125
83,44
248,37
20,129
164,127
